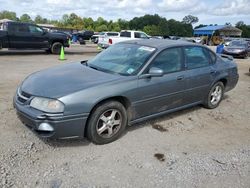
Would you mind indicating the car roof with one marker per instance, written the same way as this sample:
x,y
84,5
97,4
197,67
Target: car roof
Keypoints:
x,y
160,43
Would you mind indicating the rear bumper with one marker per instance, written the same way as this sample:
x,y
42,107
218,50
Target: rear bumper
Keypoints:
x,y
104,46
51,125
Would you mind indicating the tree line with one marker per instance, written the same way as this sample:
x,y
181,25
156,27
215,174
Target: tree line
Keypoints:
x,y
150,24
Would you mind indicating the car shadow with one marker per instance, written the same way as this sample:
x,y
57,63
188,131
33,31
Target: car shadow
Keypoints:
x,y
165,117
26,52
73,142
248,73
42,52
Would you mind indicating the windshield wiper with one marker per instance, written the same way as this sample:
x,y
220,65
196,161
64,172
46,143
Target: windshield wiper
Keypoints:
x,y
85,62
93,67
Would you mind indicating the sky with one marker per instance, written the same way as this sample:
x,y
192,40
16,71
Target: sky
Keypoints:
x,y
208,11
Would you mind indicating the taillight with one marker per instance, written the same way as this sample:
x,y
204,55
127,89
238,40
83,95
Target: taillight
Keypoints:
x,y
110,41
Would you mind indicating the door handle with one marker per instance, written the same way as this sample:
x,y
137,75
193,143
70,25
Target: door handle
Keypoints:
x,y
179,78
212,71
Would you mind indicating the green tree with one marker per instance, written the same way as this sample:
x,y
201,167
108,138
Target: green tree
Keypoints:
x,y
101,28
189,19
151,30
25,18
8,15
123,24
40,20
245,29
199,26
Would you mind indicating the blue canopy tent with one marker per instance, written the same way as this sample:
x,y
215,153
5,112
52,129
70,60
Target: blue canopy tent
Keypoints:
x,y
223,30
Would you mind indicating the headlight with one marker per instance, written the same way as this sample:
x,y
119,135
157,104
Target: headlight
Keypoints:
x,y
47,105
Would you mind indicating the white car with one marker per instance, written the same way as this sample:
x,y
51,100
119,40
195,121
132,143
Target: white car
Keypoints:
x,y
124,35
103,37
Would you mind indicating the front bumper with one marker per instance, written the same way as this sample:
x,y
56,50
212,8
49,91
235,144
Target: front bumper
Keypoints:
x,y
51,125
236,54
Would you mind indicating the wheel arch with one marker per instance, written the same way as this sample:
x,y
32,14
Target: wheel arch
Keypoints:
x,y
123,100
224,81
56,40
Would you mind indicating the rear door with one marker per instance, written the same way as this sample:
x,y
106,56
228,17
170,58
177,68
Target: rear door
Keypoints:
x,y
200,73
159,94
19,35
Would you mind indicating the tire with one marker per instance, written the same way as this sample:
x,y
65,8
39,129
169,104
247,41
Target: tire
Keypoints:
x,y
215,96
107,122
56,47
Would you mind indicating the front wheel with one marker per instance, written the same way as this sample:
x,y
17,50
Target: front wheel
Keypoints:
x,y
107,122
215,95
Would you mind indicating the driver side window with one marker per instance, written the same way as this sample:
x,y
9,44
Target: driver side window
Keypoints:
x,y
169,60
35,29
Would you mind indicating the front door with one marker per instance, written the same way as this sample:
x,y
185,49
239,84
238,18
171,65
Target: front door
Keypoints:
x,y
158,94
39,38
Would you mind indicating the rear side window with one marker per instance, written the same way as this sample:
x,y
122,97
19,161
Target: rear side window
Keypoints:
x,y
169,60
140,35
196,57
125,34
112,34
22,28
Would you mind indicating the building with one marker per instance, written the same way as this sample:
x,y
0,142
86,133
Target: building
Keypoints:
x,y
218,30
215,34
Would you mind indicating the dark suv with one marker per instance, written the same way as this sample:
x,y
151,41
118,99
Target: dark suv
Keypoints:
x,y
18,35
83,35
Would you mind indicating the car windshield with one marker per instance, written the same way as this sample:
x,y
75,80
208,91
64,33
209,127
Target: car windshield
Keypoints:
x,y
238,43
124,59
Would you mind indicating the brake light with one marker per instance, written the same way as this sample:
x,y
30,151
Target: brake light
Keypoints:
x,y
110,41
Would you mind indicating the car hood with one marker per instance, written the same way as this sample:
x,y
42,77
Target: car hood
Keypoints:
x,y
65,79
58,35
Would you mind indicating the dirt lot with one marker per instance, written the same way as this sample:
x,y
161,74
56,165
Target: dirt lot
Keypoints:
x,y
191,148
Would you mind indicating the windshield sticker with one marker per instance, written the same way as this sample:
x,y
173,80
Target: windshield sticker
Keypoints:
x,y
130,70
146,48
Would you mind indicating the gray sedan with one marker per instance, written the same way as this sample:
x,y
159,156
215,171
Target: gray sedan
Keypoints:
x,y
125,84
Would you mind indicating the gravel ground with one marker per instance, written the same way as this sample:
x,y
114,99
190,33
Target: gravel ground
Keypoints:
x,y
190,148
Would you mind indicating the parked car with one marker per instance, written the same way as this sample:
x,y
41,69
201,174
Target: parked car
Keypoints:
x,y
129,82
83,35
18,35
187,40
94,38
238,48
104,38
124,36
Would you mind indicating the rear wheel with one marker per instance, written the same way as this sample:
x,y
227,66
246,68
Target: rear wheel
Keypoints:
x,y
215,95
56,47
107,122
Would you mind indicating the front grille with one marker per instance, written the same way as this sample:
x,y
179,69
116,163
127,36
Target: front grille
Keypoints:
x,y
22,96
25,94
21,100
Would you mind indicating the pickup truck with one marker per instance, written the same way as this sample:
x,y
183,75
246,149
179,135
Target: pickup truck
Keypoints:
x,y
18,35
124,35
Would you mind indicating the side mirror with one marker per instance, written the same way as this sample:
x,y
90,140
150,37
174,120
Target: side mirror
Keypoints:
x,y
156,72
45,32
153,72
